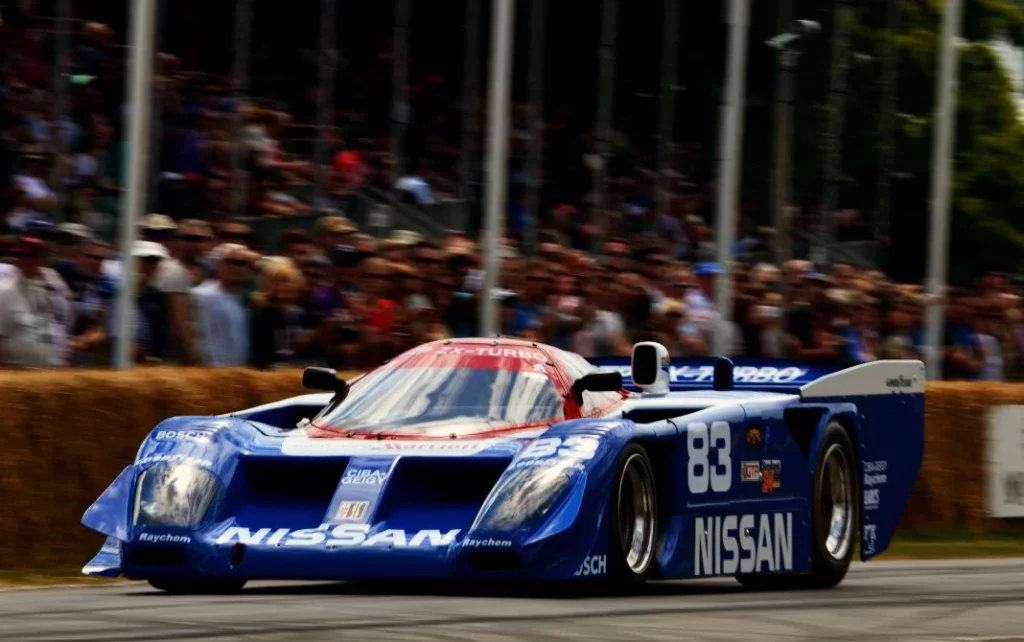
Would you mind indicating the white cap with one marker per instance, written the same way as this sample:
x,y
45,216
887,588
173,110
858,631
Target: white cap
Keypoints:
x,y
148,249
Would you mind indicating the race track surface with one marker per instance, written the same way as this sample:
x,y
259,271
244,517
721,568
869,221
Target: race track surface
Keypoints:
x,y
975,601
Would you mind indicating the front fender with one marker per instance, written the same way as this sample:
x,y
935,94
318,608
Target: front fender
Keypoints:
x,y
575,525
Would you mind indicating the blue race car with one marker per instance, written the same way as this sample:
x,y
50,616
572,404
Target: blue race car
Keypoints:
x,y
500,459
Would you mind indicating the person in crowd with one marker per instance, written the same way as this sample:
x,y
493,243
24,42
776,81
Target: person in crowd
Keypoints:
x,y
221,318
149,313
35,309
279,335
35,198
298,245
94,294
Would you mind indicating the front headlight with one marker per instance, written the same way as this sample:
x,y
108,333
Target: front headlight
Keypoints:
x,y
524,496
173,495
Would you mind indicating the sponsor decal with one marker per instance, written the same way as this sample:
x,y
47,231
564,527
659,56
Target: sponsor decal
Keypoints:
x,y
771,475
740,374
871,498
201,436
593,566
487,542
301,445
870,539
164,538
731,544
364,477
898,384
340,536
175,458
750,471
501,353
755,437
352,510
875,473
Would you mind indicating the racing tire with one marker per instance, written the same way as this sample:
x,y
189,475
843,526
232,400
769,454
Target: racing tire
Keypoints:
x,y
633,518
197,587
834,518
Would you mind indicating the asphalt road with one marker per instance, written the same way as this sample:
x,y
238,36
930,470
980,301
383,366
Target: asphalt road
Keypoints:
x,y
970,601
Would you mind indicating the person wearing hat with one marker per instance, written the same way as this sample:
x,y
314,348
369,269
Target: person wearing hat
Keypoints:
x,y
702,312
149,312
35,309
34,198
333,231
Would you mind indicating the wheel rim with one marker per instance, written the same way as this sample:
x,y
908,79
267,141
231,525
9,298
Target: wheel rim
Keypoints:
x,y
836,498
636,514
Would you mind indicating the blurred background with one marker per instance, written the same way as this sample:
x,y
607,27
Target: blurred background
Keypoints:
x,y
314,191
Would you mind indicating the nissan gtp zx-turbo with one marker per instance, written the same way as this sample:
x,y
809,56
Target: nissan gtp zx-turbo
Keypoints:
x,y
500,459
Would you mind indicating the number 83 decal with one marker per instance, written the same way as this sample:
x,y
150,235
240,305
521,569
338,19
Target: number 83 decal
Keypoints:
x,y
709,457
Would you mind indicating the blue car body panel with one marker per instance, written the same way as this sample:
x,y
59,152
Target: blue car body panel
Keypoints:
x,y
735,476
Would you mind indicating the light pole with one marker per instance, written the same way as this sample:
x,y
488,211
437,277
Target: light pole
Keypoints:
x,y
787,45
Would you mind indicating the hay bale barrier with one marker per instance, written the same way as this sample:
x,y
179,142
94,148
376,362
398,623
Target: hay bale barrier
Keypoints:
x,y
68,434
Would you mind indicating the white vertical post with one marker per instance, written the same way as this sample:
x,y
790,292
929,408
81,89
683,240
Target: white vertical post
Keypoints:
x,y
139,98
243,28
667,110
834,141
400,109
470,98
325,99
605,106
535,150
502,30
942,158
730,164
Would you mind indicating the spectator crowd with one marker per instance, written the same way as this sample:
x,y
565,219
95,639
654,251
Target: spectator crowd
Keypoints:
x,y
345,299
210,291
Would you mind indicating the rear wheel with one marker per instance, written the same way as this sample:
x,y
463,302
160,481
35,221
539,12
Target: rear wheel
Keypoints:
x,y
833,519
197,587
633,518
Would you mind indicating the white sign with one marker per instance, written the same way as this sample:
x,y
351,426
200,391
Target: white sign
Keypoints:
x,y
1006,461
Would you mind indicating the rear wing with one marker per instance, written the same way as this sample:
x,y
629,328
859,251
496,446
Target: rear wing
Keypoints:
x,y
765,375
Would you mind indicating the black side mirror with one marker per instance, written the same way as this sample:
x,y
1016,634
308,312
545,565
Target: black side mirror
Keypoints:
x,y
610,381
324,379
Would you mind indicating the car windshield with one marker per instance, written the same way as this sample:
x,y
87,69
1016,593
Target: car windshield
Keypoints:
x,y
444,401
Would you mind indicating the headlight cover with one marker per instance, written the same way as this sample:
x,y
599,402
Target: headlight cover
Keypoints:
x,y
524,496
173,495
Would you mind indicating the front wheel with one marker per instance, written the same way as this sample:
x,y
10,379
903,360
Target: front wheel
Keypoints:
x,y
197,587
833,519
633,517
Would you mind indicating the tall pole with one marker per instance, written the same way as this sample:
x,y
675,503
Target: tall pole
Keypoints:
x,y
325,98
535,150
730,163
502,30
60,91
834,141
400,109
243,29
133,201
667,109
470,98
942,158
605,103
887,119
784,96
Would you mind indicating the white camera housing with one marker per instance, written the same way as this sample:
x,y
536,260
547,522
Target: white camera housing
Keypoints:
x,y
649,368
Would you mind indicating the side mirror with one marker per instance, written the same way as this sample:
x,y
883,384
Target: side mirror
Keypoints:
x,y
324,379
605,381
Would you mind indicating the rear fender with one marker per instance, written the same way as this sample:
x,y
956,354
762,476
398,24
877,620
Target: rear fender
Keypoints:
x,y
882,405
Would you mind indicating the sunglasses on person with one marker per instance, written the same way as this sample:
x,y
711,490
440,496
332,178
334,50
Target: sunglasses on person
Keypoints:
x,y
195,238
151,260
